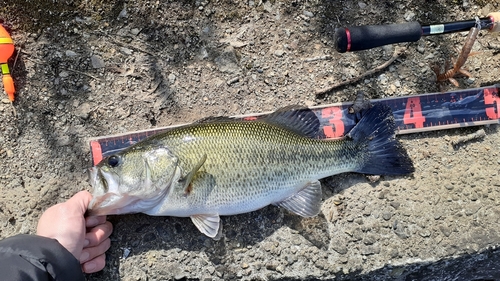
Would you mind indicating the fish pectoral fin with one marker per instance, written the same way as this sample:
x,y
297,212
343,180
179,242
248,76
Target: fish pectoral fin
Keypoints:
x,y
305,203
186,180
209,225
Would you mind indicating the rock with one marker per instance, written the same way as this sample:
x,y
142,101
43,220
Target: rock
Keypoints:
x,y
9,153
387,215
395,205
227,61
369,239
409,16
63,141
308,14
272,265
97,61
126,51
339,248
424,233
171,78
71,54
237,44
445,230
369,250
83,110
279,53
135,31
126,253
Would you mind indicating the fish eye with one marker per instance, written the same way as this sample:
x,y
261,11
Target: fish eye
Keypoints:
x,y
114,160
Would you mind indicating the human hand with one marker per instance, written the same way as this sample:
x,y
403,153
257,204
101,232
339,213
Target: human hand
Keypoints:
x,y
86,238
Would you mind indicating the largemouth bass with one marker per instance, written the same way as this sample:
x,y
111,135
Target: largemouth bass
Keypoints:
x,y
222,167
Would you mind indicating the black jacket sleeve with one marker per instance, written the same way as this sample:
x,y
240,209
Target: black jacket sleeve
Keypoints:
x,y
30,257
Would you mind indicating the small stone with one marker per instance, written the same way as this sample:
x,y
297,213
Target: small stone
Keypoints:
x,y
421,48
237,44
472,209
63,141
373,178
387,216
126,253
126,51
135,31
83,110
369,250
233,80
362,5
244,265
71,54
9,153
280,269
180,276
279,53
445,230
425,233
97,62
272,265
171,78
123,13
409,16
369,239
308,14
395,205
340,248
63,74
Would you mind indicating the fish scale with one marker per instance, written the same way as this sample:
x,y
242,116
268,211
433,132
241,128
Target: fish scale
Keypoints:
x,y
224,167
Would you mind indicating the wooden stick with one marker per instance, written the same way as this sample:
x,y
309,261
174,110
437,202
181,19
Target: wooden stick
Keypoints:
x,y
397,53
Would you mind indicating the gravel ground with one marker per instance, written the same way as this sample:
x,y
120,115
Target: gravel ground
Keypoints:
x,y
88,68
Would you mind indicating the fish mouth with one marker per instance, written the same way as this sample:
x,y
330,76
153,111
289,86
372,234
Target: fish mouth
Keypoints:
x,y
103,202
103,205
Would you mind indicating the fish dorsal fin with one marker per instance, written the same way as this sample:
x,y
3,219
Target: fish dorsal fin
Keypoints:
x,y
215,119
305,203
296,118
186,180
208,224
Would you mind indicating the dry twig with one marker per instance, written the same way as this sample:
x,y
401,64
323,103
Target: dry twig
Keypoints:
x,y
397,53
86,74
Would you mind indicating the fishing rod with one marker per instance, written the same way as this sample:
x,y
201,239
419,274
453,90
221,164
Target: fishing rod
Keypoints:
x,y
357,38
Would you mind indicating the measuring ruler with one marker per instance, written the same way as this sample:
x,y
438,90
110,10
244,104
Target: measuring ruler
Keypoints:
x,y
412,114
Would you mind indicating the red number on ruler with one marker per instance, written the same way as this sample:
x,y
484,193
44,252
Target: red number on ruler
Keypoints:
x,y
413,113
96,151
334,116
491,98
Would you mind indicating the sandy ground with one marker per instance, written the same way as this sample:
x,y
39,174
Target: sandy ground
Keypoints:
x,y
94,68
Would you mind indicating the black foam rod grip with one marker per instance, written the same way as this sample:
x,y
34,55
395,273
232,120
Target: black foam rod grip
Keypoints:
x,y
356,38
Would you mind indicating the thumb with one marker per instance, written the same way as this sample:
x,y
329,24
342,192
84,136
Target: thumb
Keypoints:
x,y
81,201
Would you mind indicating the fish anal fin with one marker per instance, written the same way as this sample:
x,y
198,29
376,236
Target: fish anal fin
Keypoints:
x,y
298,119
208,224
305,203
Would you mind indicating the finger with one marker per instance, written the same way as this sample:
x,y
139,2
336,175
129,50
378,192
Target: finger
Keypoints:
x,y
91,253
98,234
94,265
94,220
81,200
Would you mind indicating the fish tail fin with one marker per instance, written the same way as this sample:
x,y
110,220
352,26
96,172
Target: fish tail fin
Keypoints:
x,y
384,155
